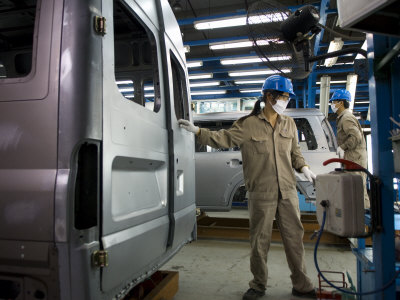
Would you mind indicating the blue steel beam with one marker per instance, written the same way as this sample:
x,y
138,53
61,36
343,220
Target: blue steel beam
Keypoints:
x,y
245,37
251,67
219,40
382,104
240,13
313,75
251,54
360,89
346,43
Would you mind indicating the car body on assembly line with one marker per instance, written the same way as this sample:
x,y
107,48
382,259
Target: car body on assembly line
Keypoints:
x,y
96,177
219,173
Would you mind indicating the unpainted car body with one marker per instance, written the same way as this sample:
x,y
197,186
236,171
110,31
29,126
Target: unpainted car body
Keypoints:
x,y
96,177
219,173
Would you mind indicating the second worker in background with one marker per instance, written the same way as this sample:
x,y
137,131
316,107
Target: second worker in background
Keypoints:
x,y
350,137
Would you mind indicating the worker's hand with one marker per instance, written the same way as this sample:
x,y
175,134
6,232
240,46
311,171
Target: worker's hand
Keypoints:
x,y
188,126
308,174
340,152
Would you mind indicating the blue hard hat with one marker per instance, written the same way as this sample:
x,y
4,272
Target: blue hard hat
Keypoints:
x,y
279,83
341,95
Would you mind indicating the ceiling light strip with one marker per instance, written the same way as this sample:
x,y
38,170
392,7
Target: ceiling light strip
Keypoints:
x,y
254,73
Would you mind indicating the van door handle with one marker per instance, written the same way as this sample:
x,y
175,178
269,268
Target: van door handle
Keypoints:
x,y
234,163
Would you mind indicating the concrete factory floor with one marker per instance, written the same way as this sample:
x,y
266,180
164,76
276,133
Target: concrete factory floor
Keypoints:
x,y
219,270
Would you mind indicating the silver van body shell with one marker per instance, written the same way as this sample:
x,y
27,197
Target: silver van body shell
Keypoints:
x,y
144,163
219,174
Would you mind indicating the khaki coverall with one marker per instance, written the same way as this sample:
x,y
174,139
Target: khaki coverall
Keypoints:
x,y
269,156
351,139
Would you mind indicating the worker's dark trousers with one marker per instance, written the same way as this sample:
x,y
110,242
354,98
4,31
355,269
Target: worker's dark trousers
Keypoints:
x,y
287,214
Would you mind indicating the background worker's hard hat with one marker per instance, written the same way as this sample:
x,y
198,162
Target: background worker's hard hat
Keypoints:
x,y
339,95
279,83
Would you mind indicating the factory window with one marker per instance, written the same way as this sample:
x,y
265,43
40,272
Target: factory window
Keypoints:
x,y
306,135
17,24
180,91
135,58
208,106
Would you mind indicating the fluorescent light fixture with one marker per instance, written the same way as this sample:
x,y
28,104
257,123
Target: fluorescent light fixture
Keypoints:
x,y
149,88
209,83
129,96
220,23
346,63
229,45
339,64
208,93
151,95
250,91
124,90
238,21
186,48
334,81
193,64
334,45
351,86
362,102
241,44
268,18
366,129
124,82
248,60
253,73
201,76
363,47
249,81
324,94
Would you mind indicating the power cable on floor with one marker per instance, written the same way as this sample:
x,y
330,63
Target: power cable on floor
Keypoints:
x,y
330,283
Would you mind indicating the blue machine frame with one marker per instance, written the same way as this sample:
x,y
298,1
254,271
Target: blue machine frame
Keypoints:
x,y
376,265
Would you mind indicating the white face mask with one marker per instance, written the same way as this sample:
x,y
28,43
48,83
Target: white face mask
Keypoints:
x,y
334,108
280,106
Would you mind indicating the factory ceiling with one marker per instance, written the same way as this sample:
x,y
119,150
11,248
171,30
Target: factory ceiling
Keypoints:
x,y
198,44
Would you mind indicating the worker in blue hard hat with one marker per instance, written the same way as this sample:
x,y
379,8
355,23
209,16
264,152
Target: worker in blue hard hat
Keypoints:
x,y
350,137
270,151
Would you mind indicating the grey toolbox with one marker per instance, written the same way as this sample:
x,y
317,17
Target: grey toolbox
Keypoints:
x,y
345,211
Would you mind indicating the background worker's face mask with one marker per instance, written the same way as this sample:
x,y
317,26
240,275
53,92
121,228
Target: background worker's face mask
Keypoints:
x,y
334,107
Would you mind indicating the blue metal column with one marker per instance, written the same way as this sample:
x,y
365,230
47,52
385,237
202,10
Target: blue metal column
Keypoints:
x,y
381,108
313,75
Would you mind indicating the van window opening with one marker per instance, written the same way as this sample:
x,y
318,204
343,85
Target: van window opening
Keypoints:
x,y
17,26
328,136
148,88
180,90
307,140
135,58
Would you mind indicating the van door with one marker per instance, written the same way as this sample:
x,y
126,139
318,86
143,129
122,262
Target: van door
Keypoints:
x,y
135,219
219,172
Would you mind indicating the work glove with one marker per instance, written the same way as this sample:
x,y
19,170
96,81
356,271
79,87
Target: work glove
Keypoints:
x,y
188,126
340,152
308,174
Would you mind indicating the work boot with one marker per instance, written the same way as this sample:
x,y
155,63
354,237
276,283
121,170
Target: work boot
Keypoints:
x,y
253,294
311,294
